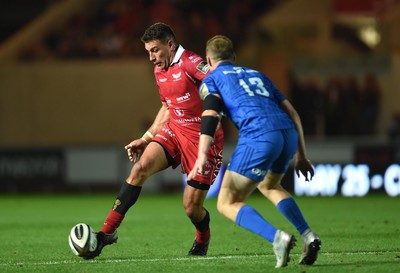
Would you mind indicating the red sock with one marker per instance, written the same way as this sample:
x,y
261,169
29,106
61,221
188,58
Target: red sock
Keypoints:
x,y
203,237
112,222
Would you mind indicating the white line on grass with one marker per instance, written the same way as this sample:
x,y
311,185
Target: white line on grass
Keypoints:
x,y
163,260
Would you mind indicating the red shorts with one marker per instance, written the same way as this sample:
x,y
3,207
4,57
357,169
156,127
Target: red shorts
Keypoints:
x,y
184,152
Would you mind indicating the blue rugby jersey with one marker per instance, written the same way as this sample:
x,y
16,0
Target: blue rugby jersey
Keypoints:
x,y
250,100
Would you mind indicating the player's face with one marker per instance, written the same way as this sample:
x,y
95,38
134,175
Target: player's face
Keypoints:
x,y
159,53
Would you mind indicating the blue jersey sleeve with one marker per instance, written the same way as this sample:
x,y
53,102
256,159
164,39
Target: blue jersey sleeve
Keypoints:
x,y
207,87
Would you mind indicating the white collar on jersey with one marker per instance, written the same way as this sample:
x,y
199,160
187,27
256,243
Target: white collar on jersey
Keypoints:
x,y
178,54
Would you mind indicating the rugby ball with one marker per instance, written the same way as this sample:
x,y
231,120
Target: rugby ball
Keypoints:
x,y
82,240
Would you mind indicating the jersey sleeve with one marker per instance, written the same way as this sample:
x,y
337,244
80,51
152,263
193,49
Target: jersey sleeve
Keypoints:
x,y
207,87
196,67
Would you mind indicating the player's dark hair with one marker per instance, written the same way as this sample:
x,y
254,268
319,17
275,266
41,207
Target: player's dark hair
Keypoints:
x,y
221,48
158,31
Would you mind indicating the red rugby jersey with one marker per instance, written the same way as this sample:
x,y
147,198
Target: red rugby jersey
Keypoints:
x,y
178,87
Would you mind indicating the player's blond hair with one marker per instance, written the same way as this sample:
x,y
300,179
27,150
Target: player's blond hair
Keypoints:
x,y
220,48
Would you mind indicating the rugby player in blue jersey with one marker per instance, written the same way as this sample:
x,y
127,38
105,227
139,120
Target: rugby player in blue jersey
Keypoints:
x,y
270,134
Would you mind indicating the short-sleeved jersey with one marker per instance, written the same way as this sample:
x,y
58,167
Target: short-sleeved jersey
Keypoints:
x,y
178,88
250,100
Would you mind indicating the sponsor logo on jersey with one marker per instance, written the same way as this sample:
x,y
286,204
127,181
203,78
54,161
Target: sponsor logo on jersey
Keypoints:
x,y
203,67
179,112
183,98
169,132
238,70
163,137
188,120
195,59
177,76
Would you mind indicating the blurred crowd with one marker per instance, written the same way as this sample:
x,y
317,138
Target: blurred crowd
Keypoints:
x,y
112,29
342,106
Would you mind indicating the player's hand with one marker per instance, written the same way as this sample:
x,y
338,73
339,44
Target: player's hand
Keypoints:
x,y
198,167
304,166
135,149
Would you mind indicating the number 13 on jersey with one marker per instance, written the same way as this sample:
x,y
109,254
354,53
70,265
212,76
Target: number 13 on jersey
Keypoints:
x,y
259,86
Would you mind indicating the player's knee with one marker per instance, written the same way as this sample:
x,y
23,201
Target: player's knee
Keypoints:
x,y
192,210
222,206
138,174
268,186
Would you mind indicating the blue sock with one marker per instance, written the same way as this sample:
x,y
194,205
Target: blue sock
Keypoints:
x,y
291,211
251,220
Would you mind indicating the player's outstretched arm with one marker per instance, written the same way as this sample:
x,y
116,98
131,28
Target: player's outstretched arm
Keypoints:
x,y
302,164
136,147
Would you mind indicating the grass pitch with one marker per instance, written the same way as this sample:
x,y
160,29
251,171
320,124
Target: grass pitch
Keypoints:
x,y
358,235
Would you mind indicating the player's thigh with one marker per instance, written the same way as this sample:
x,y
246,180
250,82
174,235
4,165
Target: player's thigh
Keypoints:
x,y
235,188
152,161
189,150
271,181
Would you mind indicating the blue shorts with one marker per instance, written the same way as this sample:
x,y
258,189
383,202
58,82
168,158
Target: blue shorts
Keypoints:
x,y
254,158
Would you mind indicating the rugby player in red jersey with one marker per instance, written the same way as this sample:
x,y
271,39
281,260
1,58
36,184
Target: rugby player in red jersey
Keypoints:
x,y
171,140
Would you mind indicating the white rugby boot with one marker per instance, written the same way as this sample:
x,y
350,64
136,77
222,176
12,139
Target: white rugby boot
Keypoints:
x,y
283,243
312,245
